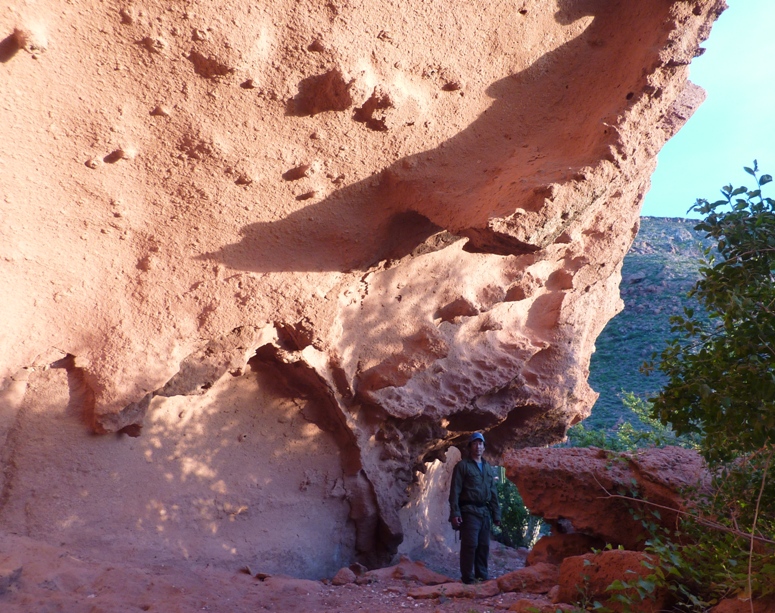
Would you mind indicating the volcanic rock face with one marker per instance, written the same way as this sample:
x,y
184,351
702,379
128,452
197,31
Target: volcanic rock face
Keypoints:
x,y
301,248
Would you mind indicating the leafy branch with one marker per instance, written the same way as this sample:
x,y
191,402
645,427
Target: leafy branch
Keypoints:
x,y
699,519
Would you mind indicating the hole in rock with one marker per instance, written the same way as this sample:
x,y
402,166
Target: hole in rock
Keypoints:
x,y
316,46
403,234
317,94
295,337
457,308
9,46
133,430
485,240
81,403
515,293
378,101
531,420
294,174
560,280
113,156
208,67
468,421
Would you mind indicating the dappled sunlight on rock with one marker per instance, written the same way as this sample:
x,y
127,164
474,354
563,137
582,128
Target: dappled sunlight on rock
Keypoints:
x,y
264,265
217,498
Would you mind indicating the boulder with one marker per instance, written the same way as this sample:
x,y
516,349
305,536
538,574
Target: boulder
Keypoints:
x,y
343,577
554,594
539,605
408,570
587,578
554,548
358,569
536,579
592,491
291,585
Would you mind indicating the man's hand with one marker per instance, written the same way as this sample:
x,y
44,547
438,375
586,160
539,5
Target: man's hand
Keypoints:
x,y
457,522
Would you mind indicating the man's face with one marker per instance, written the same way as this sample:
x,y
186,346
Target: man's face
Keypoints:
x,y
477,448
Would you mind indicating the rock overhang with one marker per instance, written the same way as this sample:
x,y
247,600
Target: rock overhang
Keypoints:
x,y
416,223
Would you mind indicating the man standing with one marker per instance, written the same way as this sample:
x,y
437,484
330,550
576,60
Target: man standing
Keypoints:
x,y
473,507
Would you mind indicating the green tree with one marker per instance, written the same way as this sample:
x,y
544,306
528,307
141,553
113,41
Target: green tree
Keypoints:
x,y
518,527
720,368
639,431
721,364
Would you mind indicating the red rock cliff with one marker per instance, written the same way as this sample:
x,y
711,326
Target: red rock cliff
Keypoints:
x,y
301,248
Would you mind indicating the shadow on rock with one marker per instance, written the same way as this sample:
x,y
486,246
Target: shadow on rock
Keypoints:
x,y
546,124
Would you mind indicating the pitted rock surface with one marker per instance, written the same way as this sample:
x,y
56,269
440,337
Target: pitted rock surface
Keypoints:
x,y
607,495
284,255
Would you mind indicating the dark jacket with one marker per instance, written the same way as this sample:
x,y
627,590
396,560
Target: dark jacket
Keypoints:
x,y
473,490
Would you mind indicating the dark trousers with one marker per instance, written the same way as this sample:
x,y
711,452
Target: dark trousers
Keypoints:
x,y
474,547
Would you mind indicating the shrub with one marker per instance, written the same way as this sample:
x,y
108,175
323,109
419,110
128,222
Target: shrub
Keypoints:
x,y
518,527
643,430
720,368
721,365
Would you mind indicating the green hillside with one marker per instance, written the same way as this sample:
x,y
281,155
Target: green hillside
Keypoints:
x,y
657,272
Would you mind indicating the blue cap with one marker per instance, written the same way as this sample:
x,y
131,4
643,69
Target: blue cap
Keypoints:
x,y
476,436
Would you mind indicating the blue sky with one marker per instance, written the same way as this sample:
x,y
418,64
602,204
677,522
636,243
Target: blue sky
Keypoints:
x,y
735,124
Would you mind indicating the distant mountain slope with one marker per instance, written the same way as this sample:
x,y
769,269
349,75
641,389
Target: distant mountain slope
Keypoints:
x,y
660,268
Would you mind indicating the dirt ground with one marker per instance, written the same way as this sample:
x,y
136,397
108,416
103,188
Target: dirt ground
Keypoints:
x,y
53,579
